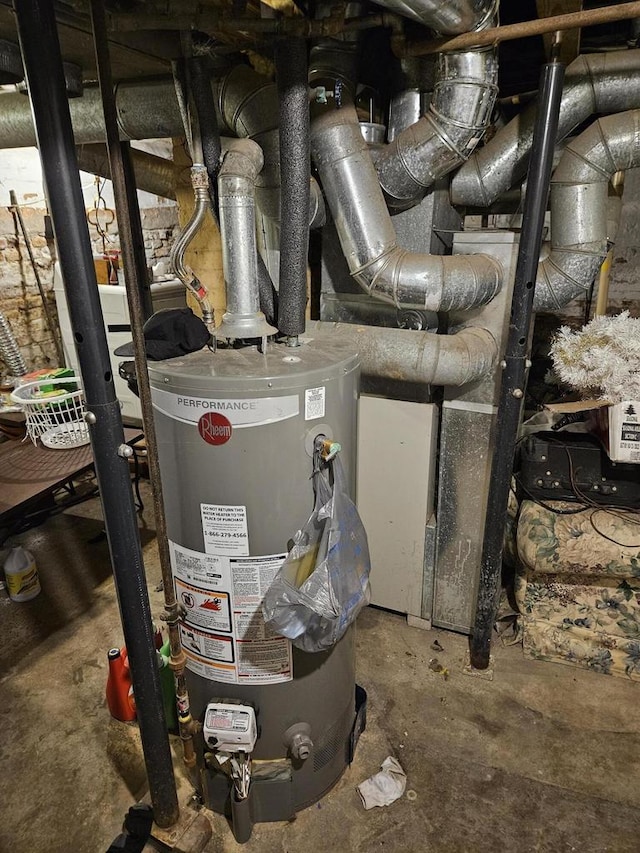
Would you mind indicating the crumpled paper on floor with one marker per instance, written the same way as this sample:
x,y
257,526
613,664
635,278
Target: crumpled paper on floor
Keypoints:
x,y
385,787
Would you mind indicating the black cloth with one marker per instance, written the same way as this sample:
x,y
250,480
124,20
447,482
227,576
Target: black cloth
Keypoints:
x,y
170,333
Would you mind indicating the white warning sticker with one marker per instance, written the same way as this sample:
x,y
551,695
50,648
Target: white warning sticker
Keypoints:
x,y
206,571
314,403
223,631
225,529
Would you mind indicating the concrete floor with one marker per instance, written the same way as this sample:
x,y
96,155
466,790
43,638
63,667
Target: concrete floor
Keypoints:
x,y
543,758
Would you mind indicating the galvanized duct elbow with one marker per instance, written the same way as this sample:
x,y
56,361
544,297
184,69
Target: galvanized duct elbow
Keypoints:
x,y
579,207
601,83
368,240
459,113
423,357
446,16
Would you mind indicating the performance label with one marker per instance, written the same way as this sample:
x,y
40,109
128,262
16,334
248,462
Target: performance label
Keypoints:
x,y
223,632
239,413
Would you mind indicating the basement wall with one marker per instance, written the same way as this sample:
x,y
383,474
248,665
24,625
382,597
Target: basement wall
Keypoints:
x,y
19,296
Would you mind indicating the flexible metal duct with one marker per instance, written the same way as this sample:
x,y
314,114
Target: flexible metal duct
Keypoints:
x,y
422,357
579,207
597,83
460,110
367,236
445,16
9,350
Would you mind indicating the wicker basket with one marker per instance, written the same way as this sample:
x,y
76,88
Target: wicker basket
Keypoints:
x,y
57,419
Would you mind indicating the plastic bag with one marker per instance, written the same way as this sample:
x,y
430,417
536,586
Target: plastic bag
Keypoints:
x,y
324,581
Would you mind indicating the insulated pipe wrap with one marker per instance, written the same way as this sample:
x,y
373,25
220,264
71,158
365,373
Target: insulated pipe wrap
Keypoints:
x,y
579,223
595,83
368,240
293,90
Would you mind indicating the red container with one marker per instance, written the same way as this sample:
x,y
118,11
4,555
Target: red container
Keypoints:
x,y
119,689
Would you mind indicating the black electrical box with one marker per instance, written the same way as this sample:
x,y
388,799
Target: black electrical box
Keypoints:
x,y
572,466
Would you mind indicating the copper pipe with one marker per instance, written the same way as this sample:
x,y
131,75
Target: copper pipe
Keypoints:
x,y
570,21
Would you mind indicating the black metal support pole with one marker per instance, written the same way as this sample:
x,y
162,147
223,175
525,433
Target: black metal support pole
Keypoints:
x,y
43,66
293,91
515,360
124,190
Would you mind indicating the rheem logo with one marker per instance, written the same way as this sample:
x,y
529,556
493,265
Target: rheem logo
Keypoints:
x,y
215,428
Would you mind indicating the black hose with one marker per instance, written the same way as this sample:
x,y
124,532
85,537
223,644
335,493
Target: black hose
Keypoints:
x,y
200,82
514,374
47,91
293,90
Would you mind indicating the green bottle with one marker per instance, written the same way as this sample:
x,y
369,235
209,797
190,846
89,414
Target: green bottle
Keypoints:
x,y
167,683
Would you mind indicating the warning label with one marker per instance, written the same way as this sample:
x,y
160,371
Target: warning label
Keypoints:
x,y
223,630
204,609
225,529
314,403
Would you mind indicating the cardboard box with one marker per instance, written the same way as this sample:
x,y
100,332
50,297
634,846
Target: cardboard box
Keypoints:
x,y
616,424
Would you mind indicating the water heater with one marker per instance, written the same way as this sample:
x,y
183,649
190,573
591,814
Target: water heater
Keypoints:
x,y
236,431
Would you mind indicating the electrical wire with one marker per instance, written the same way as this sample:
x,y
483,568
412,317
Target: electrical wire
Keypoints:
x,y
621,513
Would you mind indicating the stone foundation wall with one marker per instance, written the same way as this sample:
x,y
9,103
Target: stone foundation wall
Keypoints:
x,y
20,300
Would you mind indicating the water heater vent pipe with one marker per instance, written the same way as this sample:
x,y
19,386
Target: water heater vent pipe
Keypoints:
x,y
241,164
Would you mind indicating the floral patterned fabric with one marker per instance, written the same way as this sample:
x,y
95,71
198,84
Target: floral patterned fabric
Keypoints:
x,y
579,543
577,592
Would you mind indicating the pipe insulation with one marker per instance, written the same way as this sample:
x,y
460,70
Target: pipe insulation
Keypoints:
x,y
600,83
292,71
469,354
381,267
9,350
446,16
460,111
579,222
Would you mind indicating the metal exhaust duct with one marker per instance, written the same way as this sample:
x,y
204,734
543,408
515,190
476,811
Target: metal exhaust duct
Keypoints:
x,y
459,113
579,207
446,16
602,83
368,240
241,164
422,357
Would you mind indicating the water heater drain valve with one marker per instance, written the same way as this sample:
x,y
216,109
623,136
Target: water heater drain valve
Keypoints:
x,y
230,727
